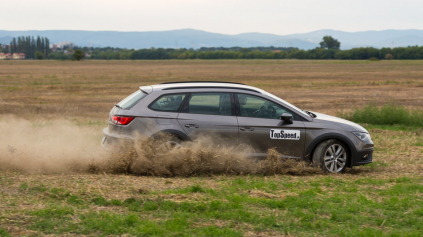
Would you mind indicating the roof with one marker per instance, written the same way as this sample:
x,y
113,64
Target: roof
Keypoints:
x,y
179,82
203,85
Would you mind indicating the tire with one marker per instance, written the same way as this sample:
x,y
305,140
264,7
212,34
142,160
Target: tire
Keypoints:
x,y
153,147
331,156
169,143
164,143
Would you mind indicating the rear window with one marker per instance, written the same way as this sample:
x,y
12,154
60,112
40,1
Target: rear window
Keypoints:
x,y
132,100
168,103
209,103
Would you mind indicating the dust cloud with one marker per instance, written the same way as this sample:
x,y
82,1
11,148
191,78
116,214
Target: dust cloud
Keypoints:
x,y
48,146
61,146
204,157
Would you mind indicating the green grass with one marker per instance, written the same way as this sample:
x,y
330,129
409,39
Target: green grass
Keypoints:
x,y
390,127
322,205
3,233
389,114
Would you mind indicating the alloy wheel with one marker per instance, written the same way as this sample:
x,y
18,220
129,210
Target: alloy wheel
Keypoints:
x,y
169,146
335,158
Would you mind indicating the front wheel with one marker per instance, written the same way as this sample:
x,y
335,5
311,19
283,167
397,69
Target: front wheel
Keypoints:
x,y
331,156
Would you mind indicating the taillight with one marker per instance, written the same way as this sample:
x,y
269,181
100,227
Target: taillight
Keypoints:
x,y
122,120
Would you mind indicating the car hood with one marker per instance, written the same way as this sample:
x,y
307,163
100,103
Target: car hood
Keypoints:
x,y
338,122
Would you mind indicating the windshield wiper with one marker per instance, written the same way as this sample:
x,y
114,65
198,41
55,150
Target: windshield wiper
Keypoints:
x,y
118,106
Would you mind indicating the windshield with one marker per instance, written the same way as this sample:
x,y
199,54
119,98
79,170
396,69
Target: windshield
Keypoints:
x,y
292,106
131,100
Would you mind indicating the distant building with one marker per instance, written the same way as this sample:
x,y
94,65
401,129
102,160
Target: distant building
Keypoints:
x,y
18,56
276,51
64,44
8,56
15,56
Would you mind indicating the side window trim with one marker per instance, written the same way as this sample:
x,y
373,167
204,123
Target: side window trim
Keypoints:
x,y
238,110
187,94
188,97
185,103
233,105
236,103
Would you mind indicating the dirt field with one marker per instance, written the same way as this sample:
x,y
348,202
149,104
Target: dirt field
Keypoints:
x,y
53,112
88,89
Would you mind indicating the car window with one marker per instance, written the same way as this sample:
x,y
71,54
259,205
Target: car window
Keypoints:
x,y
209,103
257,107
132,99
287,103
168,103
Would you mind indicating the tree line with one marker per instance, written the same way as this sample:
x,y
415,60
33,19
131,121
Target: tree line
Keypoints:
x,y
248,49
412,52
329,49
31,47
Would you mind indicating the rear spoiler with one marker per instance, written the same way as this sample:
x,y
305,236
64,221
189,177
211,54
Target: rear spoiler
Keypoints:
x,y
146,89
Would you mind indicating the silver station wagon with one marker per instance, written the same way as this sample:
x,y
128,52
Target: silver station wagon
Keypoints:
x,y
242,114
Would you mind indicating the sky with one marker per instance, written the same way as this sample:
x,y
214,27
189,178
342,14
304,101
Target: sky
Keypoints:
x,y
219,16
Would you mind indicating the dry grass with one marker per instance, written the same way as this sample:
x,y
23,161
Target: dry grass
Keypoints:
x,y
88,89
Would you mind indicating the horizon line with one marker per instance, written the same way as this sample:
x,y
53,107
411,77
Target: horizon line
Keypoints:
x,y
215,32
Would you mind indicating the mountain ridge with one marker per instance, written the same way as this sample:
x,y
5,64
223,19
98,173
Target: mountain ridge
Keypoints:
x,y
187,38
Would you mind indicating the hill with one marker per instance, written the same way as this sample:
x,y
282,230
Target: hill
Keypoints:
x,y
187,38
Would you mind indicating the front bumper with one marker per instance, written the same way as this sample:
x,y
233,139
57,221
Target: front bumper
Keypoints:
x,y
363,157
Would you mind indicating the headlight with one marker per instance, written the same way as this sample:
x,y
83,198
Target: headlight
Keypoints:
x,y
363,136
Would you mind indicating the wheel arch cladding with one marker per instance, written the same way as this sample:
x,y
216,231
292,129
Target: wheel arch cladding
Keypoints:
x,y
327,136
177,133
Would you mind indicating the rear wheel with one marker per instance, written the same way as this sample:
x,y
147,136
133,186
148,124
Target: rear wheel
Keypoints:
x,y
169,144
151,149
331,156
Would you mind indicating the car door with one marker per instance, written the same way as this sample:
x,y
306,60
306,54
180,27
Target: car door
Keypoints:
x,y
210,114
261,128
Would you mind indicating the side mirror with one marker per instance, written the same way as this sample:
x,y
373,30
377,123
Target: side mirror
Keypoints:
x,y
287,118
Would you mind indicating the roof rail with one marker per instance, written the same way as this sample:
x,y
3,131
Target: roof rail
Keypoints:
x,y
211,87
176,82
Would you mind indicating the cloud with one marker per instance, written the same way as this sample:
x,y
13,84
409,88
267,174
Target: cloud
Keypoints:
x,y
220,16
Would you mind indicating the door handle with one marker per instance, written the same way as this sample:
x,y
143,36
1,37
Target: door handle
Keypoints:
x,y
246,129
192,126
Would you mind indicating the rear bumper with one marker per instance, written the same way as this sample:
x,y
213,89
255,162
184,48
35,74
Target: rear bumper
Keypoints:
x,y
115,142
